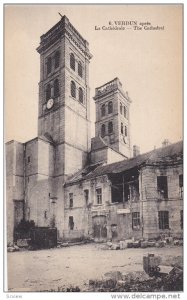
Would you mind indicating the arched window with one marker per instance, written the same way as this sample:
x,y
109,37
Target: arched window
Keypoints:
x,y
122,128
49,65
72,61
110,107
48,92
103,130
125,130
80,69
57,59
56,88
125,112
121,109
73,89
103,110
80,95
110,127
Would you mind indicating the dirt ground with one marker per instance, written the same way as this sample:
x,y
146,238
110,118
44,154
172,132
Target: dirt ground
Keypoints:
x,y
45,270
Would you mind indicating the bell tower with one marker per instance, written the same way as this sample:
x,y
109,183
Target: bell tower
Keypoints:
x,y
64,105
113,117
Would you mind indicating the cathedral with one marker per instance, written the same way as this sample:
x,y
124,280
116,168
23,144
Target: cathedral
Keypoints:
x,y
101,187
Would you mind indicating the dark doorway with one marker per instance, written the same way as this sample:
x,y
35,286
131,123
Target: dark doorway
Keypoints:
x,y
99,228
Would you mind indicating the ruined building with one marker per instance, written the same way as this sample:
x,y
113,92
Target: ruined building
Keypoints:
x,y
83,186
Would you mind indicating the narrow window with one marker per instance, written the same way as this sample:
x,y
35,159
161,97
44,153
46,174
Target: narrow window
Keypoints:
x,y
45,214
49,65
125,130
110,127
56,88
181,185
28,179
57,59
122,128
181,219
99,195
162,187
163,219
121,108
48,92
80,95
71,223
80,69
72,61
73,89
70,200
103,130
125,112
110,107
135,220
103,110
86,196
28,159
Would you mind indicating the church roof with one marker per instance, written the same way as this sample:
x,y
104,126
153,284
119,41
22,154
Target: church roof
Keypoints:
x,y
164,155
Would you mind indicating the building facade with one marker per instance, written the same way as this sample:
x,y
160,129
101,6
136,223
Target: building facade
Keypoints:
x,y
83,186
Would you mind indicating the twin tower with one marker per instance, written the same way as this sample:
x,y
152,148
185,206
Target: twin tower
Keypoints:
x,y
64,105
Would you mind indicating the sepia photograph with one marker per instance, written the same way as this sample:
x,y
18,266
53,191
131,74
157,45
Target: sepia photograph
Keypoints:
x,y
93,133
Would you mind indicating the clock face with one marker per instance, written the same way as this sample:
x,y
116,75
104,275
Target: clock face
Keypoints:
x,y
50,103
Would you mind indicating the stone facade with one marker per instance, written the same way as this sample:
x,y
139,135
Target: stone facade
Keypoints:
x,y
88,187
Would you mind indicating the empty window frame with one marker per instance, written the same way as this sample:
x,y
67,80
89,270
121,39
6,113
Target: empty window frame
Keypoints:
x,y
86,196
56,88
181,219
72,61
70,200
103,110
135,220
110,107
163,219
162,186
49,65
99,195
126,133
122,128
79,69
181,185
110,127
71,223
80,95
103,130
48,92
121,108
125,112
73,89
57,59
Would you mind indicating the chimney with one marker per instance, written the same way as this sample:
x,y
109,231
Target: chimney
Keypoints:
x,y
136,150
165,143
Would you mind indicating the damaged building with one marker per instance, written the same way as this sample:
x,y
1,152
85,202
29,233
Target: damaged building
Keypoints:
x,y
87,187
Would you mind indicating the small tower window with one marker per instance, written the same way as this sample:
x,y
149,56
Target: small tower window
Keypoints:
x,y
80,95
125,111
110,127
70,200
103,110
80,69
71,223
72,61
122,128
48,92
110,107
103,130
56,88
49,65
121,108
57,59
73,89
125,130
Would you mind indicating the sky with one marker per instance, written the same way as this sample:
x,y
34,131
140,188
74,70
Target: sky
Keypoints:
x,y
147,62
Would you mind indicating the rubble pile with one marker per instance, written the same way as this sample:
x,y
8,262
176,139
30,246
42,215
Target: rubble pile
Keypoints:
x,y
142,243
139,282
